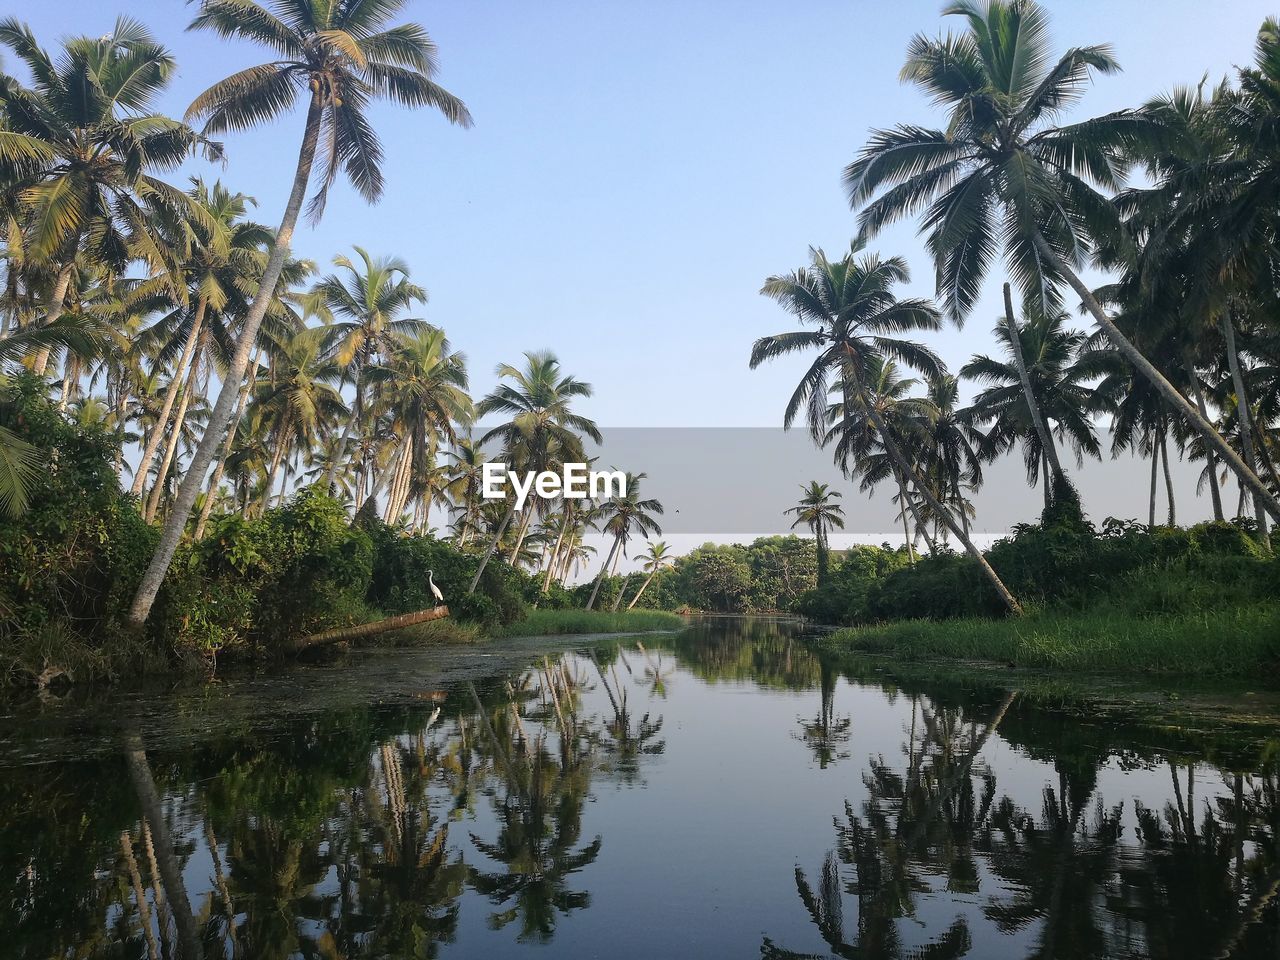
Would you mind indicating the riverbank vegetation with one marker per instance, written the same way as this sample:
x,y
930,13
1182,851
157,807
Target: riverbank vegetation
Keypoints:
x,y
1182,360
339,468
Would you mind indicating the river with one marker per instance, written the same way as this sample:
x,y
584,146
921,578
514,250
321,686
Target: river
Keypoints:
x,y
720,792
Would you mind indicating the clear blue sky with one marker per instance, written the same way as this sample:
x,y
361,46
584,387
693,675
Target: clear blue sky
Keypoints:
x,y
636,169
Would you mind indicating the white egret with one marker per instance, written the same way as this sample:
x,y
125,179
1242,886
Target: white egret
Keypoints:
x,y
435,591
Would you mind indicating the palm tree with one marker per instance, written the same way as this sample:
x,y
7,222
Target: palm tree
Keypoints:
x,y
624,515
952,446
1053,366
224,249
851,302
465,481
279,324
1002,174
80,149
428,397
343,56
651,562
372,301
856,442
541,431
818,511
299,401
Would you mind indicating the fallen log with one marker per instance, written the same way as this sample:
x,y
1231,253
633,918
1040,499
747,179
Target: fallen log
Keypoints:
x,y
340,634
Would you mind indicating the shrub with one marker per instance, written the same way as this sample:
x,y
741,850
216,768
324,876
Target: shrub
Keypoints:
x,y
69,565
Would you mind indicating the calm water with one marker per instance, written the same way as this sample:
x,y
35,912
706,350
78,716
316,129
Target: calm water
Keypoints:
x,y
719,793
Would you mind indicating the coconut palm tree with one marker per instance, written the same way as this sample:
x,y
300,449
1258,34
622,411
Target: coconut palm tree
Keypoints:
x,y
1003,174
817,509
856,443
81,149
657,558
541,430
279,324
465,481
952,448
427,398
363,312
340,57
851,303
623,516
223,251
299,401
1053,365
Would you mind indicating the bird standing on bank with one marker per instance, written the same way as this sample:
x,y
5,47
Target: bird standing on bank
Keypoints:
x,y
435,591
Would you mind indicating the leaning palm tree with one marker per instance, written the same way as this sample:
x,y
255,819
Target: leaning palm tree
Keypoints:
x,y
81,147
856,441
340,56
1003,174
817,509
858,318
652,562
625,515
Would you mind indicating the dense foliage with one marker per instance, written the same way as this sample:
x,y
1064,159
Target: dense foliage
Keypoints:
x,y
769,574
69,565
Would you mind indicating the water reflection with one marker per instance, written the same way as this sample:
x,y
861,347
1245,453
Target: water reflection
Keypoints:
x,y
718,792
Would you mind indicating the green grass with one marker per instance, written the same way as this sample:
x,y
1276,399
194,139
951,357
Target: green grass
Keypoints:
x,y
433,633
541,623
1233,641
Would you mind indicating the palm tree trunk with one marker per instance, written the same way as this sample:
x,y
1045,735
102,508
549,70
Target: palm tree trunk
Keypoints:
x,y
399,481
175,435
162,471
57,303
193,482
121,410
902,513
347,430
153,814
70,378
493,545
643,587
227,441
604,569
170,394
909,501
895,455
286,474
1244,416
1155,473
1015,347
520,533
140,895
1214,493
1168,477
277,457
622,588
1265,456
922,528
554,560
1166,389
1045,480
